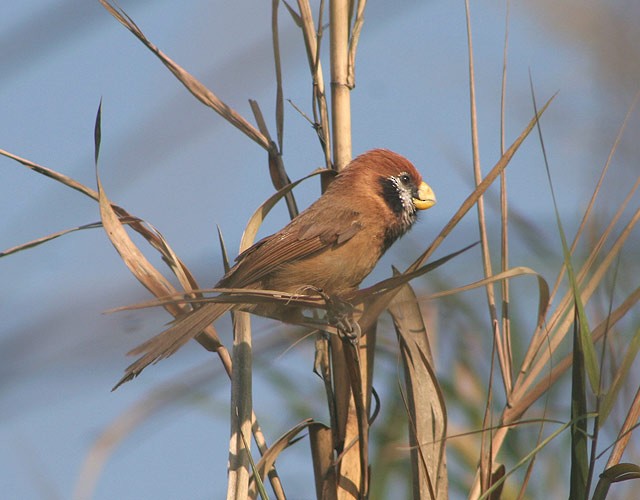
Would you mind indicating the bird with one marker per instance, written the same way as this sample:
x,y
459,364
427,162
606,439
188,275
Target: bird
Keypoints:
x,y
331,246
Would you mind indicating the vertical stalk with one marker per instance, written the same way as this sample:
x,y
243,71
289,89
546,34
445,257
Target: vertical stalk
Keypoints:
x,y
241,409
313,55
352,473
340,91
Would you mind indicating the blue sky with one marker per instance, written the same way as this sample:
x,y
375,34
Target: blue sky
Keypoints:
x,y
167,158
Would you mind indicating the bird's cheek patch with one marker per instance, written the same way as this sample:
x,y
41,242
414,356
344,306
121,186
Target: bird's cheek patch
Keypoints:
x,y
426,197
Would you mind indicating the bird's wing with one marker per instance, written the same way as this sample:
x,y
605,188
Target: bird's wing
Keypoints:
x,y
296,241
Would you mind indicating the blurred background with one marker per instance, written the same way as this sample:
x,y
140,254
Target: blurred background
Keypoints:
x,y
171,161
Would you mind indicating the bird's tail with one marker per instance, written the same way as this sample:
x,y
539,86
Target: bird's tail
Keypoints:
x,y
173,338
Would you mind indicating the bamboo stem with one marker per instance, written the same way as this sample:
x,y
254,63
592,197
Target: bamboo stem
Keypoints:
x,y
340,91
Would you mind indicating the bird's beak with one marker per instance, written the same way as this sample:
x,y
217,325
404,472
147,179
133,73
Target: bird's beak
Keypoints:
x,y
426,197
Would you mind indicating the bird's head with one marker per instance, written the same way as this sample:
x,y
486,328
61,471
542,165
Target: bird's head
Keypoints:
x,y
386,183
394,180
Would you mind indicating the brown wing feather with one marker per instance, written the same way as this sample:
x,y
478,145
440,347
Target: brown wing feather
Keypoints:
x,y
296,241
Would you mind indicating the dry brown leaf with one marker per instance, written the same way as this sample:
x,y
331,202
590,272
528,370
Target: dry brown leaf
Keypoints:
x,y
271,455
131,255
193,85
426,409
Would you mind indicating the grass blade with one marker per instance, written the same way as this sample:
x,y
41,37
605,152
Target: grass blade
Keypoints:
x,y
579,456
275,37
615,474
44,239
586,344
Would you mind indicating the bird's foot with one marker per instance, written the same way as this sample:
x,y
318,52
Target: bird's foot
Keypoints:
x,y
350,329
340,315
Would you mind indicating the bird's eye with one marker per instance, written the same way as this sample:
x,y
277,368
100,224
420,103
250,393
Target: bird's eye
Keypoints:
x,y
405,179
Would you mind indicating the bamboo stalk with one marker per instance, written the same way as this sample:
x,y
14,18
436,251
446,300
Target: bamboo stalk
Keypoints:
x,y
241,410
353,428
340,91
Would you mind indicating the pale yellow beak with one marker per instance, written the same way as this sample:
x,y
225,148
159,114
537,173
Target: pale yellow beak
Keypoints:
x,y
426,197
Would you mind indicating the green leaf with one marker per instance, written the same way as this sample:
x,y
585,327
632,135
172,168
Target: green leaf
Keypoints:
x,y
586,343
97,132
615,474
579,453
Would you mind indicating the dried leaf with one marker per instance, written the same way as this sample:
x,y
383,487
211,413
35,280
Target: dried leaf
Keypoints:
x,y
381,302
282,443
322,454
255,221
193,85
620,377
131,255
44,239
427,415
543,287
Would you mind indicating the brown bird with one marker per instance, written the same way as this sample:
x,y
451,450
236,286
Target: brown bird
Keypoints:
x,y
332,245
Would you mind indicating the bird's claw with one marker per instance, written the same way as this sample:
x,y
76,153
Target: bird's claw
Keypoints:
x,y
350,329
340,315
